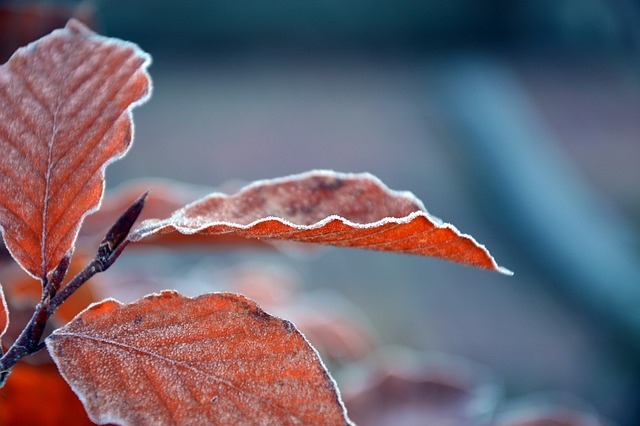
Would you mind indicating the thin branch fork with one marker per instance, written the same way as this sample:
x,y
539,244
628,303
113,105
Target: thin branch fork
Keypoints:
x,y
113,244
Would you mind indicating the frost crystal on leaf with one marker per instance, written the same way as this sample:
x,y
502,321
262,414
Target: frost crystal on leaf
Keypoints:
x,y
214,359
324,207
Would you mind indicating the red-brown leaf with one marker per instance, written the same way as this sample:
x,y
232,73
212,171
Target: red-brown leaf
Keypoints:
x,y
65,104
215,359
347,210
37,395
406,389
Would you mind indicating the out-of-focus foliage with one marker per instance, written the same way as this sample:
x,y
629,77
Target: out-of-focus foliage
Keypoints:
x,y
524,113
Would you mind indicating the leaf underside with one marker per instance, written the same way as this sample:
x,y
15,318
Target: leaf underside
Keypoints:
x,y
65,104
215,359
323,207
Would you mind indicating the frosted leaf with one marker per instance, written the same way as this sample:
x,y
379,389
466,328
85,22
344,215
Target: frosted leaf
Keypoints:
x,y
65,114
214,359
4,314
324,207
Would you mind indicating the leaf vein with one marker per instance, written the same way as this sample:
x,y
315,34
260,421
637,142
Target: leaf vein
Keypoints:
x,y
405,238
160,395
379,230
27,127
9,174
120,85
28,87
176,364
81,158
71,149
26,223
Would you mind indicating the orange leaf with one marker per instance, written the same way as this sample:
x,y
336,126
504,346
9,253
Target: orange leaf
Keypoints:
x,y
4,315
38,395
215,359
348,210
65,104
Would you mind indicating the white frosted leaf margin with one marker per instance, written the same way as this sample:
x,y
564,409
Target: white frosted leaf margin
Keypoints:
x,y
4,314
403,225
214,359
66,105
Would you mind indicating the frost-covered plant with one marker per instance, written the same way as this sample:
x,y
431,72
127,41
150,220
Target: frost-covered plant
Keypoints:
x,y
65,114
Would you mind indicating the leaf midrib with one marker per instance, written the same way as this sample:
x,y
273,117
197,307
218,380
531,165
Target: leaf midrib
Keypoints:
x,y
47,183
124,346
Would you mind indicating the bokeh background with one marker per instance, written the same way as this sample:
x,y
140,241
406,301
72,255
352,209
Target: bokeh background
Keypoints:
x,y
517,121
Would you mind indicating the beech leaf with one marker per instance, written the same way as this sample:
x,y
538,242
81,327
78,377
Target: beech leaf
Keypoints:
x,y
165,197
65,114
214,359
43,386
325,207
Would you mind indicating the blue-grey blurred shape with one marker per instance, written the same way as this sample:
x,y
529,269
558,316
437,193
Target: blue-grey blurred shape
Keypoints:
x,y
536,195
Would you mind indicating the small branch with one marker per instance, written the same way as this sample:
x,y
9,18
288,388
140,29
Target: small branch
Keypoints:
x,y
117,235
110,248
108,252
58,274
23,346
94,267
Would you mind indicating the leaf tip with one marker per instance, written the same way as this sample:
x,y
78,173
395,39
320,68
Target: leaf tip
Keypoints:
x,y
97,309
76,26
504,271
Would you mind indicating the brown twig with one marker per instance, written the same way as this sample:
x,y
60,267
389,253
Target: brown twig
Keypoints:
x,y
29,340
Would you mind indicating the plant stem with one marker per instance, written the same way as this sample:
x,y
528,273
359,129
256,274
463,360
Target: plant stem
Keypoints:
x,y
98,264
29,340
25,344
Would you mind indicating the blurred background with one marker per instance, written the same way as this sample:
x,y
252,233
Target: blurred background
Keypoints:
x,y
517,121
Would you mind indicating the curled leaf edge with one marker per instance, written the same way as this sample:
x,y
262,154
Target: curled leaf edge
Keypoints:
x,y
153,226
